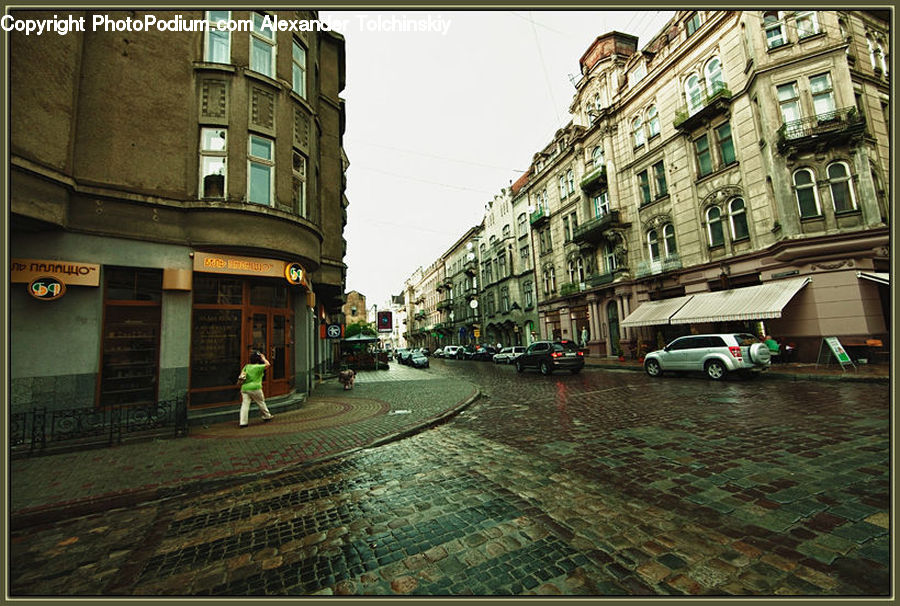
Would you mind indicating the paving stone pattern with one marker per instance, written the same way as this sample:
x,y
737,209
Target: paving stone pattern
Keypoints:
x,y
597,484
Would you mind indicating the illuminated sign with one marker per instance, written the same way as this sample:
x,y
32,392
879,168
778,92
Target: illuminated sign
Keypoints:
x,y
47,288
250,266
72,273
295,274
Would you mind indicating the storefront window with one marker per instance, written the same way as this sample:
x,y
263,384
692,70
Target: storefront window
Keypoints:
x,y
215,355
130,360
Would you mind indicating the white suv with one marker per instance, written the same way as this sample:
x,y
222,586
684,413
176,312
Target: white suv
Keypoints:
x,y
715,354
450,351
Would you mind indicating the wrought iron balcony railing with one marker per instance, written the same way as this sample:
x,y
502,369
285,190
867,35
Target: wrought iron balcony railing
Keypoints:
x,y
830,127
539,216
647,268
710,105
592,230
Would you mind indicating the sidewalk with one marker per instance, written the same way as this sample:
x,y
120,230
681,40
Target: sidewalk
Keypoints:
x,y
383,406
792,371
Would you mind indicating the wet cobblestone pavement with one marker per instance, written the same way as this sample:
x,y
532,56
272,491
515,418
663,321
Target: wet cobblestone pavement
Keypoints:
x,y
603,483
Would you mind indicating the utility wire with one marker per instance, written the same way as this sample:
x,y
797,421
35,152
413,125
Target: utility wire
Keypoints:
x,y
537,43
408,178
437,157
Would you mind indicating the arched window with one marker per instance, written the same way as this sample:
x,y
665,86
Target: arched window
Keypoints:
x,y
773,23
653,121
637,127
737,213
570,181
805,189
522,225
609,258
841,184
714,81
562,186
653,244
714,226
597,157
669,240
693,93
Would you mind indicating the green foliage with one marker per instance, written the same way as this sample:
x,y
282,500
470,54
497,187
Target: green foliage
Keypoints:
x,y
356,328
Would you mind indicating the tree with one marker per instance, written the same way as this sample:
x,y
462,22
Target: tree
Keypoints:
x,y
360,327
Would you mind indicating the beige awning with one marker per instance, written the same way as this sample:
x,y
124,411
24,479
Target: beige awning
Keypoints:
x,y
758,302
875,276
652,313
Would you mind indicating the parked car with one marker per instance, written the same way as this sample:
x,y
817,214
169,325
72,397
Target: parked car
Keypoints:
x,y
714,354
508,355
438,353
423,351
418,360
450,351
403,355
548,356
483,352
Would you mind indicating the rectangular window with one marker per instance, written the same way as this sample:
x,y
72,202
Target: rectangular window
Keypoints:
x,y
692,24
299,189
213,151
659,175
217,45
525,257
298,84
262,46
704,160
789,101
566,233
726,145
601,204
644,185
261,171
807,24
527,290
609,256
823,96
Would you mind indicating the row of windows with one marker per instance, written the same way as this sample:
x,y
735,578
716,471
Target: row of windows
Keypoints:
x,y
260,170
840,186
217,48
775,25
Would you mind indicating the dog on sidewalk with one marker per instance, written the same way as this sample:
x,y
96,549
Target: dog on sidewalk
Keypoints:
x,y
347,378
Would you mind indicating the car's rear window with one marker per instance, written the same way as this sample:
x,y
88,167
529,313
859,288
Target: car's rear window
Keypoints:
x,y
746,339
564,346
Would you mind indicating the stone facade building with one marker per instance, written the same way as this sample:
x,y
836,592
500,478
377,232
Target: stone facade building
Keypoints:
x,y
185,191
737,153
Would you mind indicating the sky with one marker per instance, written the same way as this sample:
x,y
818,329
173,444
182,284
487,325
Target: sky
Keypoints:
x,y
439,121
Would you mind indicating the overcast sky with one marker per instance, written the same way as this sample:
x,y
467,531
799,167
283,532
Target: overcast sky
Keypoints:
x,y
438,122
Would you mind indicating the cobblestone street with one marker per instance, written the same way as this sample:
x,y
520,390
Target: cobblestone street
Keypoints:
x,y
602,483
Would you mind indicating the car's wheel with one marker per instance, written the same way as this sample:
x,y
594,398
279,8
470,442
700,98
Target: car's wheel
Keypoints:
x,y
715,370
652,368
545,369
575,371
519,367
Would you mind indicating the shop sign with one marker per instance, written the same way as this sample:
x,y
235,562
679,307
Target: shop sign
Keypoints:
x,y
295,274
47,288
72,273
244,266
334,331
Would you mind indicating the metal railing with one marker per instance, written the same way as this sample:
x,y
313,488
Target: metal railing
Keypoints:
x,y
41,430
835,122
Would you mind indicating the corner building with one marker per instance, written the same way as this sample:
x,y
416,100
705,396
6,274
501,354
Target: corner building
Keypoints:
x,y
731,172
195,182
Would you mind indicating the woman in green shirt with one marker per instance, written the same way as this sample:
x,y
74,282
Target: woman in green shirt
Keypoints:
x,y
251,387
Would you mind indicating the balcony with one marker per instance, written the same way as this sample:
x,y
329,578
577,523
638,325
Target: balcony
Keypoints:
x,y
420,315
442,305
594,280
594,180
822,130
592,231
539,216
570,288
650,268
470,268
712,105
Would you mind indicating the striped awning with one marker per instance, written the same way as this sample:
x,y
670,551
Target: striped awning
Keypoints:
x,y
875,276
759,302
652,313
